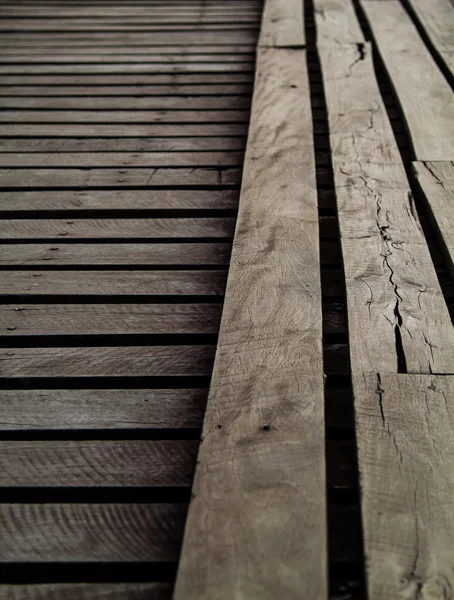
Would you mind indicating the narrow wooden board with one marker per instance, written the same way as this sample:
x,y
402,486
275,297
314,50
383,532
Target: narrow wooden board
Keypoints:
x,y
63,26
87,591
436,182
120,159
99,463
336,23
163,91
395,304
256,525
424,95
29,410
151,255
282,24
147,68
179,103
405,434
126,116
130,200
127,131
59,533
232,50
34,229
95,59
107,283
137,79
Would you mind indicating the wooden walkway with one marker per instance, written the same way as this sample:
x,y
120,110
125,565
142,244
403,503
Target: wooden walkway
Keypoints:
x,y
324,467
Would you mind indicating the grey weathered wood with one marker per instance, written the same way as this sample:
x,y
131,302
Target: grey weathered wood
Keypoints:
x,y
336,23
107,283
128,68
232,50
282,24
405,427
144,102
118,200
127,79
394,297
423,93
125,130
436,182
72,26
87,591
256,526
163,91
90,532
222,227
106,463
29,410
114,254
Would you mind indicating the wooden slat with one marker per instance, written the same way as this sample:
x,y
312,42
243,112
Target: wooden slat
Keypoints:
x,y
95,59
127,69
337,23
146,49
163,91
126,117
33,229
63,26
405,427
126,130
436,182
98,463
84,319
282,24
106,283
46,533
423,93
217,102
256,526
396,308
28,410
87,591
138,79
118,200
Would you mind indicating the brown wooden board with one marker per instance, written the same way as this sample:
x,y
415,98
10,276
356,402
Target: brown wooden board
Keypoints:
x,y
56,144
138,91
127,130
87,591
131,102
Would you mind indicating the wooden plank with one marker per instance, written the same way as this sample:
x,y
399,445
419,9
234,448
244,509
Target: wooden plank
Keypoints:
x,y
34,229
260,481
96,59
47,533
165,92
336,22
19,22
62,26
87,591
119,131
405,439
147,68
151,255
282,24
120,159
126,116
107,283
28,410
126,102
133,463
108,319
423,93
138,79
396,310
220,50
131,200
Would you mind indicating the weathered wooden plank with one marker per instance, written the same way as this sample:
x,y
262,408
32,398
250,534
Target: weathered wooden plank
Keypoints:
x,y
260,481
222,53
423,93
126,102
101,409
90,532
138,79
106,283
396,310
147,68
336,22
19,22
186,91
119,131
436,182
87,591
282,24
97,60
66,463
116,228
404,427
126,116
119,200
114,254
72,26
120,159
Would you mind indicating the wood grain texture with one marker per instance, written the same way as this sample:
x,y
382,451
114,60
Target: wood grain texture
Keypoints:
x,y
134,463
118,131
124,68
395,304
336,23
231,50
256,527
131,200
405,440
87,591
34,229
222,103
423,93
161,90
30,410
436,182
107,283
90,532
282,24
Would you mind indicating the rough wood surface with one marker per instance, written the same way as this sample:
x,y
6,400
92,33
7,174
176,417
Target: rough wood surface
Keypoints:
x,y
336,23
405,433
396,308
436,182
126,130
87,591
222,103
423,93
260,481
101,409
90,532
160,90
282,24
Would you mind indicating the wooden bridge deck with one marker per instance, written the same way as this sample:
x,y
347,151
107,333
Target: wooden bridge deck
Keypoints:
x,y
324,467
